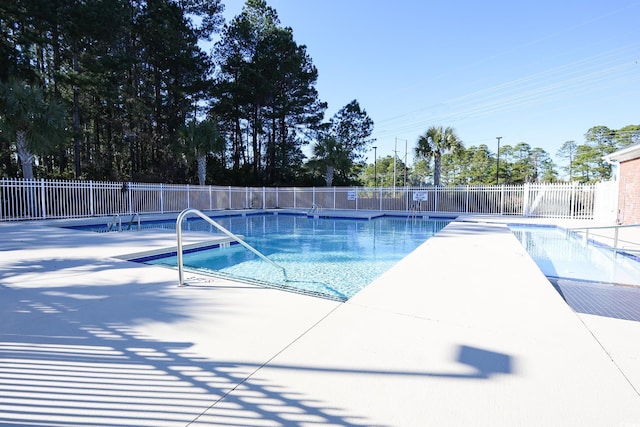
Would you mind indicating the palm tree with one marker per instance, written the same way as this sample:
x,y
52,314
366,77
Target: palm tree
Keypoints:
x,y
36,124
330,155
200,139
433,144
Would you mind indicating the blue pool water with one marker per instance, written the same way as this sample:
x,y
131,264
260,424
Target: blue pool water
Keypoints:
x,y
591,279
559,254
332,258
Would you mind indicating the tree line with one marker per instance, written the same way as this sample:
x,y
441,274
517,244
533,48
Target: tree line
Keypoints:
x,y
442,159
121,90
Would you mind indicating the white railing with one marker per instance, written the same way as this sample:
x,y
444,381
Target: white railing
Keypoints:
x,y
46,199
585,231
235,238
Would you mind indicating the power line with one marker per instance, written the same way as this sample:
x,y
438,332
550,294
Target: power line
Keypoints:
x,y
598,72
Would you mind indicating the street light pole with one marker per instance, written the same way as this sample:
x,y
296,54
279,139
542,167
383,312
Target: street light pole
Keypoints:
x,y
498,161
375,166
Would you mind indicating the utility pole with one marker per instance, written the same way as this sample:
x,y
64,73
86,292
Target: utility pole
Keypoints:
x,y
395,154
498,161
375,166
405,162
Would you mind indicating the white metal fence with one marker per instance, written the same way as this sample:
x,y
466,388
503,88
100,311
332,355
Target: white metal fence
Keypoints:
x,y
47,199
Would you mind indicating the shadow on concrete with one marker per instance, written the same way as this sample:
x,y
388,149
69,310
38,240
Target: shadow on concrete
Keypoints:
x,y
485,364
72,356
71,353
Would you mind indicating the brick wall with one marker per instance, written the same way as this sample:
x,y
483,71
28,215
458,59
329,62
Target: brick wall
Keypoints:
x,y
629,196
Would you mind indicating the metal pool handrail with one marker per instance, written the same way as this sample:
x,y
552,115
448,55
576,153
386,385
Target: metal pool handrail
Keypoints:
x,y
186,212
605,227
314,209
133,217
116,217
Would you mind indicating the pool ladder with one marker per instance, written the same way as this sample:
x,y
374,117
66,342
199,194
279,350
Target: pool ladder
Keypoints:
x,y
118,220
186,212
133,217
314,209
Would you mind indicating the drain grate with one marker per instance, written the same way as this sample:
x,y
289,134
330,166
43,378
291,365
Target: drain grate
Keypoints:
x,y
601,299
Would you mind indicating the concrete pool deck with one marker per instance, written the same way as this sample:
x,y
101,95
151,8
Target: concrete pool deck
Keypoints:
x,y
464,331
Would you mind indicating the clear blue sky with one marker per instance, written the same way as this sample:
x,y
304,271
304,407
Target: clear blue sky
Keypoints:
x,y
541,72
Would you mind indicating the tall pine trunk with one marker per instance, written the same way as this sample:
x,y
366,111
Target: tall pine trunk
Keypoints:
x,y
76,116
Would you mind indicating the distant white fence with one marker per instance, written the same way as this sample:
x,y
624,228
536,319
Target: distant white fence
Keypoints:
x,y
48,199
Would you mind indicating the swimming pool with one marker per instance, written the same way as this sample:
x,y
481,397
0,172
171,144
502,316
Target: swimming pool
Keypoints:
x,y
328,257
565,255
590,278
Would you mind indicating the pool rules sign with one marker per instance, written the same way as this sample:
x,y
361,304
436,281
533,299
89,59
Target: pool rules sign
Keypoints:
x,y
420,196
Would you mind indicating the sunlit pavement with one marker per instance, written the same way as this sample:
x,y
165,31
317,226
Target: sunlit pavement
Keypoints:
x,y
464,331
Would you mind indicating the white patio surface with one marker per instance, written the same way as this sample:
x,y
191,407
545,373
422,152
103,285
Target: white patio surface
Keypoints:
x,y
465,331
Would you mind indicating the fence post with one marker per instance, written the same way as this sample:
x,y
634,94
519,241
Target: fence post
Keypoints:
x,y
466,207
130,198
406,198
572,198
43,202
502,199
356,191
525,201
334,197
91,208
